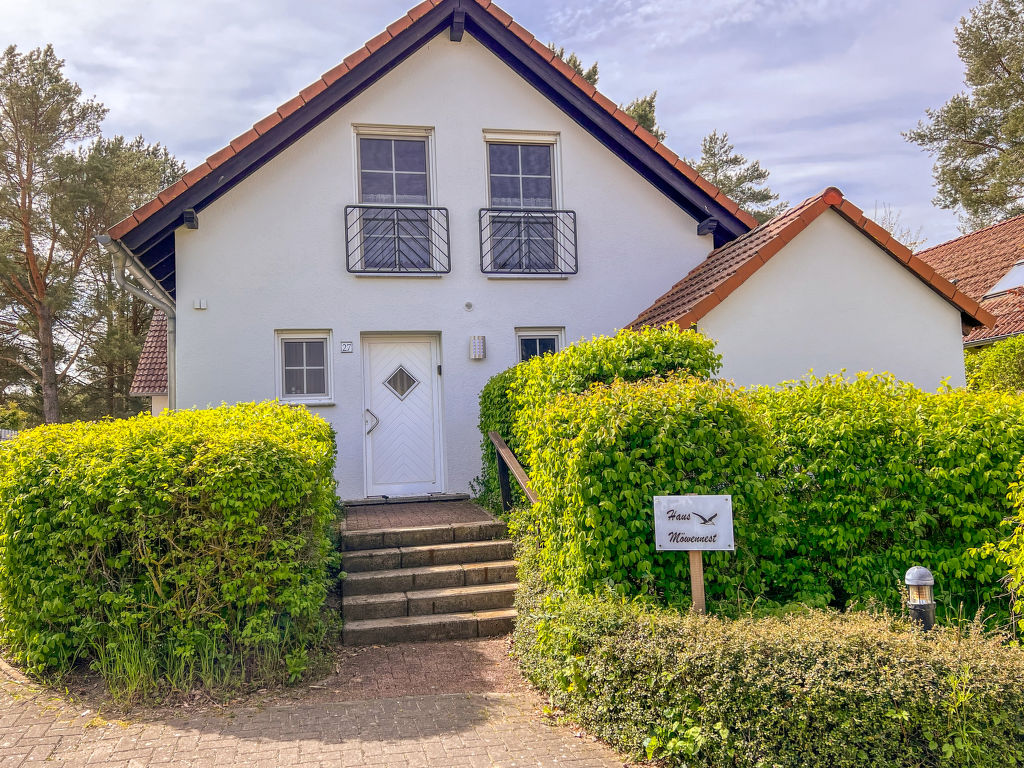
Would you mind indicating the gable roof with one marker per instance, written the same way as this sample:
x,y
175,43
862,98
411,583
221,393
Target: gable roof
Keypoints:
x,y
975,263
728,267
149,231
151,373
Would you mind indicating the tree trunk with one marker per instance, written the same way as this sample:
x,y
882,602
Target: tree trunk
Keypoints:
x,y
51,402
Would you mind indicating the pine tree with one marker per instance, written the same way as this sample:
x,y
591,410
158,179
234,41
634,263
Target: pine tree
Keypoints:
x,y
740,179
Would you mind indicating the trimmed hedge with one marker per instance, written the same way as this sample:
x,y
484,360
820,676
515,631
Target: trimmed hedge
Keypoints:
x,y
812,688
168,551
880,476
1010,551
508,398
600,457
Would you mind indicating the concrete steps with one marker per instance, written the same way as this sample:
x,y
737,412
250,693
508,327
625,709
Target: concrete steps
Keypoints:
x,y
427,583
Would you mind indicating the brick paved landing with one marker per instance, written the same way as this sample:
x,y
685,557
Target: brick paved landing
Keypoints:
x,y
339,723
412,514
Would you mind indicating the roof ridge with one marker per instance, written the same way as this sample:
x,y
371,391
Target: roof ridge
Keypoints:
x,y
353,60
972,234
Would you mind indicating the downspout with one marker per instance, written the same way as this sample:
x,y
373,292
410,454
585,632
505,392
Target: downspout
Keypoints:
x,y
154,295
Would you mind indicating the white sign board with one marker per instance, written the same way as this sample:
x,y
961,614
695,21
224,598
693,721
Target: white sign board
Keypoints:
x,y
693,523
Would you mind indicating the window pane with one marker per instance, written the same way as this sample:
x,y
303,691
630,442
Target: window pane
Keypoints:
x,y
527,348
293,354
536,159
537,193
375,154
315,353
505,192
293,381
316,381
379,252
504,158
546,344
412,188
377,187
410,155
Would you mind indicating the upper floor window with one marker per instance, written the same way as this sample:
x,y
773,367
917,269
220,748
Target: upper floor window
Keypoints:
x,y
521,175
393,229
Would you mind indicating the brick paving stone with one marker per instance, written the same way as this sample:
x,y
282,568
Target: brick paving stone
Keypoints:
x,y
447,704
364,517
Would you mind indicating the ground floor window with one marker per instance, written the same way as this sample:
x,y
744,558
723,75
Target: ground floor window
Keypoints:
x,y
304,365
532,342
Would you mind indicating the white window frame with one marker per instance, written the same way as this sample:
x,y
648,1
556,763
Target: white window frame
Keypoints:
x,y
324,335
550,138
533,333
362,131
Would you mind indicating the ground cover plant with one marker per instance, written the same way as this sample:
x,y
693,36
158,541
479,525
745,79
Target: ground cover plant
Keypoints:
x,y
185,549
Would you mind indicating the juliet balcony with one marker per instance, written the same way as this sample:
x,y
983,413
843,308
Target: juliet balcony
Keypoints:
x,y
397,240
528,242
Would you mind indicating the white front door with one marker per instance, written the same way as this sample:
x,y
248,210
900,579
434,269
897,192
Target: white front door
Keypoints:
x,y
402,415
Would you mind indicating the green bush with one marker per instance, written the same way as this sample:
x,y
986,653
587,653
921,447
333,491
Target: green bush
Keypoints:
x,y
879,476
998,367
1010,551
812,688
599,458
508,398
168,551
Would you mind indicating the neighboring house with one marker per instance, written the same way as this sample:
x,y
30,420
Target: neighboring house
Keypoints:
x,y
822,287
448,201
988,266
151,374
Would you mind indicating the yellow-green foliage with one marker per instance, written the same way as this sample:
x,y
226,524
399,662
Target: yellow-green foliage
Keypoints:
x,y
813,688
879,476
599,458
998,367
509,397
185,548
1010,551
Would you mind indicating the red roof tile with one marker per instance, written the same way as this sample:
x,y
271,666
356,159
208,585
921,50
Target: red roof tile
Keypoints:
x,y
728,267
151,373
353,60
974,263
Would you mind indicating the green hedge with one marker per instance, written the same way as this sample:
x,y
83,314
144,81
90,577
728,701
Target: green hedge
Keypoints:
x,y
997,367
509,397
1010,551
879,476
811,689
169,551
599,458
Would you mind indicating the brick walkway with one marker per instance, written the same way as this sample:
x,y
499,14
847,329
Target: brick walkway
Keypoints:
x,y
444,718
412,514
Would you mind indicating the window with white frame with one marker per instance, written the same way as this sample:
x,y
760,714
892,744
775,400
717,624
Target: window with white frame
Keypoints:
x,y
532,342
304,366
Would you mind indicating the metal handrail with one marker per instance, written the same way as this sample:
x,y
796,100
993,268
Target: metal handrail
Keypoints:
x,y
508,463
528,241
397,239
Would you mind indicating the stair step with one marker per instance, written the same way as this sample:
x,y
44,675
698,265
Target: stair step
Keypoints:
x,y
443,626
387,538
480,597
360,561
429,577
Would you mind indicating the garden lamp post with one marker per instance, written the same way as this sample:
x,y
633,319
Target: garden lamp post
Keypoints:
x,y
921,601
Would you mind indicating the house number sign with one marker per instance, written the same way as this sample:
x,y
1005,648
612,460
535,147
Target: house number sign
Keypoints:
x,y
346,347
694,524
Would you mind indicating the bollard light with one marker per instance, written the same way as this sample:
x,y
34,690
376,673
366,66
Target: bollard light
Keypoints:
x,y
921,601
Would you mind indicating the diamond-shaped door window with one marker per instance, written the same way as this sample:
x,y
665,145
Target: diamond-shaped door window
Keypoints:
x,y
401,382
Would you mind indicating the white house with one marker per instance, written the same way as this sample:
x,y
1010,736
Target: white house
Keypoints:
x,y
448,201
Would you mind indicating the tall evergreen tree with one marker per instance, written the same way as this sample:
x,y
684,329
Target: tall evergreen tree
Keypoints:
x,y
977,137
741,179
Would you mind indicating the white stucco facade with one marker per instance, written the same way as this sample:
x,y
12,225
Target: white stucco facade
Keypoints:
x,y
269,255
832,300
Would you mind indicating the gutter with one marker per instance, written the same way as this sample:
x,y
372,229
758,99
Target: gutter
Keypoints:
x,y
151,292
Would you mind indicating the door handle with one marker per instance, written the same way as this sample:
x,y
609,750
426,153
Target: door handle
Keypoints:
x,y
376,421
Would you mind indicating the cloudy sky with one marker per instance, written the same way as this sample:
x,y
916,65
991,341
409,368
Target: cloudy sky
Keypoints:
x,y
817,90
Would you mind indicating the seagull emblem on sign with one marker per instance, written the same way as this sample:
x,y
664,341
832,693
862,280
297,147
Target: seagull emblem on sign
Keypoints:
x,y
706,520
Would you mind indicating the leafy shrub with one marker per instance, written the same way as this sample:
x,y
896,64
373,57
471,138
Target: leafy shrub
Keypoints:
x,y
599,458
189,547
998,367
508,398
1010,551
812,688
880,476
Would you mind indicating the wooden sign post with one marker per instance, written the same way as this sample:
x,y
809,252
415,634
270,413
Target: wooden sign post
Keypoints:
x,y
694,524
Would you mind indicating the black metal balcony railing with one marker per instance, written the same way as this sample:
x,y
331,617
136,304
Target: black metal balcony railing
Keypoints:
x,y
530,242
406,239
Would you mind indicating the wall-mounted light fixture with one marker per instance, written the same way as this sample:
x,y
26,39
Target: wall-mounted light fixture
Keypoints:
x,y
921,596
477,347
